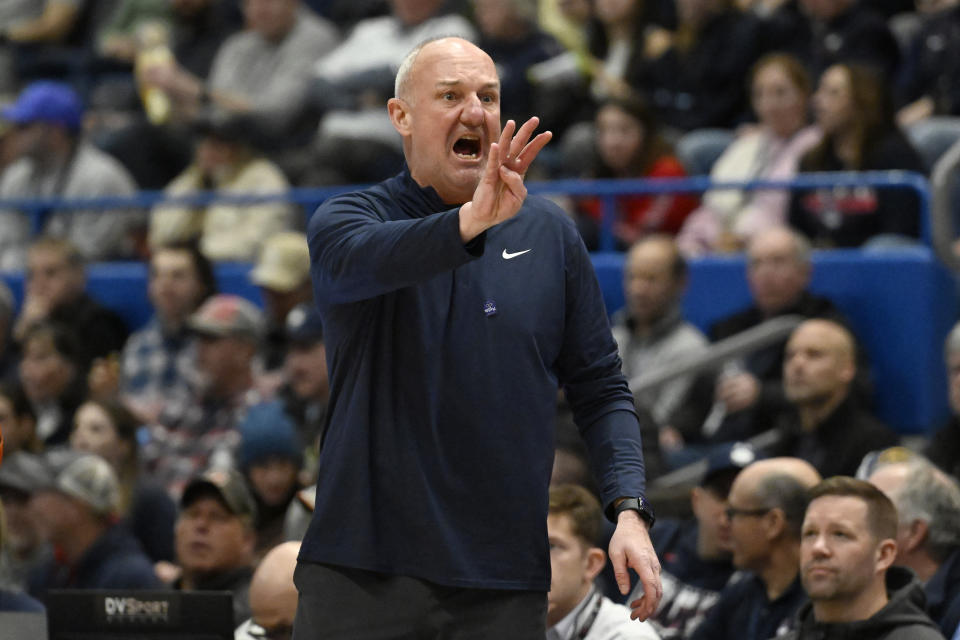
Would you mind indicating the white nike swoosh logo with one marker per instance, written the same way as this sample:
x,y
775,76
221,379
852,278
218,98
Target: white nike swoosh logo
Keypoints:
x,y
509,256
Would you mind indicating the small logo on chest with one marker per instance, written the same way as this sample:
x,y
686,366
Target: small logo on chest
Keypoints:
x,y
510,256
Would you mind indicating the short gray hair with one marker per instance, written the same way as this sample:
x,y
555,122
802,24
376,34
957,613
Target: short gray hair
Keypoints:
x,y
932,496
402,80
783,491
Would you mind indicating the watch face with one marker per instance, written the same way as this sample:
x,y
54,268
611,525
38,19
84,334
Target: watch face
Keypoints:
x,y
646,511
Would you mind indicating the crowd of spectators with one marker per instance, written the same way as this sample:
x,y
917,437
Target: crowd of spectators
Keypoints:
x,y
185,455
182,454
260,95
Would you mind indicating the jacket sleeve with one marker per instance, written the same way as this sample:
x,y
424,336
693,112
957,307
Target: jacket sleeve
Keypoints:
x,y
355,254
589,369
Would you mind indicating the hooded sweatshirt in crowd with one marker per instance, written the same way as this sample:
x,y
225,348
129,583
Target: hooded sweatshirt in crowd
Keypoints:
x,y
902,618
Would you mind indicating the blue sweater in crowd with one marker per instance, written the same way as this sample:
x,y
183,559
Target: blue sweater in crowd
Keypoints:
x,y
445,361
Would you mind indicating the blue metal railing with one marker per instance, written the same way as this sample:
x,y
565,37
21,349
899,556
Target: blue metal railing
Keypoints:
x,y
607,190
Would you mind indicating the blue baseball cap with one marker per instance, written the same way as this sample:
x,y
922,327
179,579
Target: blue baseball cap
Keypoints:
x,y
46,101
304,326
733,456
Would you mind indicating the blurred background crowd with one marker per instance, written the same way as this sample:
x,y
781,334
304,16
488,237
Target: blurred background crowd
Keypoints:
x,y
181,450
261,95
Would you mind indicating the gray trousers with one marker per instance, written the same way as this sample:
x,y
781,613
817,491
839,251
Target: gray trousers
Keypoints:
x,y
351,604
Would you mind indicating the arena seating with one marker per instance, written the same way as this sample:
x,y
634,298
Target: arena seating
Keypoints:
x,y
901,304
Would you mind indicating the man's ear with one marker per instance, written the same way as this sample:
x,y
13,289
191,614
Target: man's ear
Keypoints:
x,y
696,499
399,112
775,523
919,530
596,558
886,553
249,541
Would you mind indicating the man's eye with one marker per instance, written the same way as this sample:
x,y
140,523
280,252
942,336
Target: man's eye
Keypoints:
x,y
449,95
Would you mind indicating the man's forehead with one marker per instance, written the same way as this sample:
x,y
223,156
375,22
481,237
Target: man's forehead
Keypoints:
x,y
560,523
450,58
822,335
46,256
775,241
839,510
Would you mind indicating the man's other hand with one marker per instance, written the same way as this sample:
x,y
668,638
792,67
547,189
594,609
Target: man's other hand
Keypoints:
x,y
630,548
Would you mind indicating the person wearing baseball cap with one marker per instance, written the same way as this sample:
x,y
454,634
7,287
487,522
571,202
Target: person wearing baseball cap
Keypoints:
x,y
283,274
20,474
54,162
306,390
13,599
49,102
214,537
696,556
200,429
74,504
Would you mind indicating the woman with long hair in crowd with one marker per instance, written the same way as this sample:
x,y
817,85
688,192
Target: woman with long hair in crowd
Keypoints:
x,y
853,109
771,150
629,145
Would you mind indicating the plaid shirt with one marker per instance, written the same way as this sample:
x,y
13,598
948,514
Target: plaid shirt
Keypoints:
x,y
195,433
155,365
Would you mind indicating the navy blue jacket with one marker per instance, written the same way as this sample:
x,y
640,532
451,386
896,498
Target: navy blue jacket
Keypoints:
x,y
114,561
943,594
445,361
19,601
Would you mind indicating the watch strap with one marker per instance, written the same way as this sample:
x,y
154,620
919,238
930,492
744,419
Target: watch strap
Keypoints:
x,y
640,505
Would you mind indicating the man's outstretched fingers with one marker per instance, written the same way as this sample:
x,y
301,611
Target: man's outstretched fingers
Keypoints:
x,y
530,152
520,140
504,142
494,162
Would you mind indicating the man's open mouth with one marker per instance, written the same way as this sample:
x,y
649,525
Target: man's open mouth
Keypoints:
x,y
467,147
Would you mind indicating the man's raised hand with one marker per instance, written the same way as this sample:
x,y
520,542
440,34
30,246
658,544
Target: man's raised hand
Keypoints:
x,y
501,192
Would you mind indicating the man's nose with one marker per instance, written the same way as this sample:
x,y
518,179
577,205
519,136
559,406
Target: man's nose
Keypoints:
x,y
472,113
820,547
201,524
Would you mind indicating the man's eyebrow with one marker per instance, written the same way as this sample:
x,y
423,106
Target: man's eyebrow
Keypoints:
x,y
454,83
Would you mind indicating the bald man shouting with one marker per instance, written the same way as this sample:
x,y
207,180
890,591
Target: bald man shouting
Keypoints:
x,y
825,424
453,307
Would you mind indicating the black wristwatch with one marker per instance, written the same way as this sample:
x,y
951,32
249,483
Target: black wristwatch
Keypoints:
x,y
640,505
